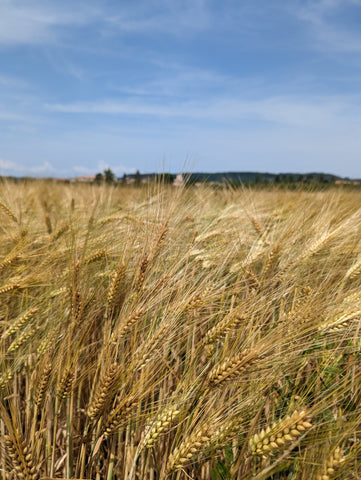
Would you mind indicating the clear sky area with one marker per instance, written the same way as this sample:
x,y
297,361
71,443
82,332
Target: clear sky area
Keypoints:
x,y
232,85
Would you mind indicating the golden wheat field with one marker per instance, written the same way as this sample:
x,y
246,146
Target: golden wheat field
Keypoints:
x,y
169,333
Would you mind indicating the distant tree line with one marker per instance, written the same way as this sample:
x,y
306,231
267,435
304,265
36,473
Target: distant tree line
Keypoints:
x,y
252,179
287,181
109,177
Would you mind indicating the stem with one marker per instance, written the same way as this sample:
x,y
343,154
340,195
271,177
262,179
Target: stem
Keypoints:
x,y
111,462
52,464
69,453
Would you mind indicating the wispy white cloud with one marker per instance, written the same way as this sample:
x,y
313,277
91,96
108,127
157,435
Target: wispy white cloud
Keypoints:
x,y
101,166
159,16
11,81
328,31
36,21
39,22
14,167
117,169
173,79
320,112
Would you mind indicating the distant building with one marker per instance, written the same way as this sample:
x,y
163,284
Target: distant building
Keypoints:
x,y
85,178
179,180
62,180
346,182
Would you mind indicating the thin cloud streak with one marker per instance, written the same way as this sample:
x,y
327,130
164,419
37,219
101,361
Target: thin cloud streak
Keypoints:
x,y
323,18
35,22
295,112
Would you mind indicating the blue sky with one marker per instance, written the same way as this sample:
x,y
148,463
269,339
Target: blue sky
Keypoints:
x,y
237,85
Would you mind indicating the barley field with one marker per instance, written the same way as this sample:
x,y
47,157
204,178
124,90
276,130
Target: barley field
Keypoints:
x,y
179,333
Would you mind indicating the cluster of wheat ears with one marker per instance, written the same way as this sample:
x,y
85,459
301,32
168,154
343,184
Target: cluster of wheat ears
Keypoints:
x,y
169,333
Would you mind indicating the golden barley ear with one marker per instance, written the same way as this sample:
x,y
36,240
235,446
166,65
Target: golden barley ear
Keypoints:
x,y
21,458
60,231
20,322
22,339
104,392
9,259
8,212
141,274
271,260
257,226
232,368
126,326
65,385
119,415
273,439
340,323
9,287
114,286
190,447
96,256
43,385
160,425
49,227
224,327
331,465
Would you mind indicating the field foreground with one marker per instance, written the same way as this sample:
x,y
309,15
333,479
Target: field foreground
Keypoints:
x,y
164,333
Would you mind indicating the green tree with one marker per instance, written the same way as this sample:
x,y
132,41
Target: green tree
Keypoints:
x,y
109,176
138,178
99,178
165,178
